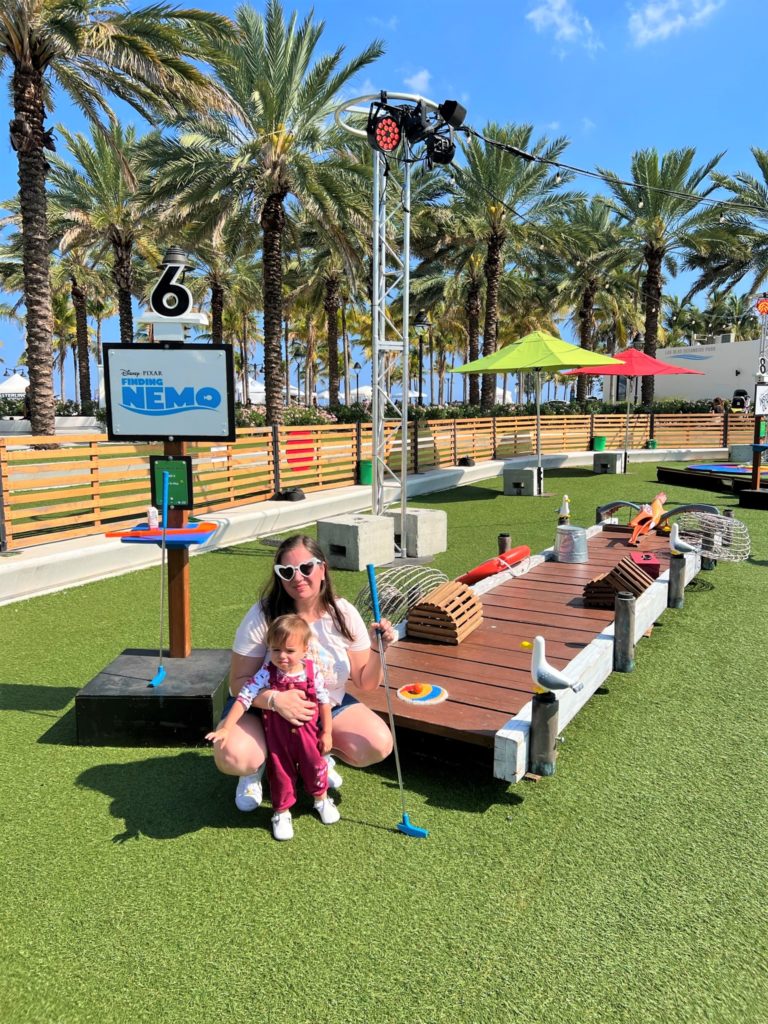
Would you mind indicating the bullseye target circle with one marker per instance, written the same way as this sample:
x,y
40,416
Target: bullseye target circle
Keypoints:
x,y
422,693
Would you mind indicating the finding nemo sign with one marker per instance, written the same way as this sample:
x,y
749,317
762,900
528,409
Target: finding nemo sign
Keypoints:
x,y
156,392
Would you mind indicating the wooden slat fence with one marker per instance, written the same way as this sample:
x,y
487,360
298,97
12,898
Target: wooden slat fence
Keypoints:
x,y
88,485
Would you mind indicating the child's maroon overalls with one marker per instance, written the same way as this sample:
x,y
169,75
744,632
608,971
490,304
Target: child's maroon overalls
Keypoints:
x,y
293,748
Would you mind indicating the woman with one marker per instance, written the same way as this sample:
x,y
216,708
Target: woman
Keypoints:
x,y
341,646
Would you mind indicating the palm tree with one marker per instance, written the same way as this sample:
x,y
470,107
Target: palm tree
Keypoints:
x,y
89,49
451,271
77,271
737,246
97,202
681,320
590,256
661,209
273,150
493,189
64,334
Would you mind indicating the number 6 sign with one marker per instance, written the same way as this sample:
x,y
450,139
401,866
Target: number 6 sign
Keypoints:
x,y
169,297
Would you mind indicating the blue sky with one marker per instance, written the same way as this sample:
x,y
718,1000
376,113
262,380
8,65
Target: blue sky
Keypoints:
x,y
611,77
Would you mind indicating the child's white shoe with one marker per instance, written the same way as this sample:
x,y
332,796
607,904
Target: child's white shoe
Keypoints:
x,y
328,811
282,825
334,779
249,794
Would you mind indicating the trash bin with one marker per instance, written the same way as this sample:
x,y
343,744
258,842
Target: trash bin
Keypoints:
x,y
598,444
651,443
365,471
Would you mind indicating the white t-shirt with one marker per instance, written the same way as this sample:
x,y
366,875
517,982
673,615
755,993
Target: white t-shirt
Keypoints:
x,y
327,648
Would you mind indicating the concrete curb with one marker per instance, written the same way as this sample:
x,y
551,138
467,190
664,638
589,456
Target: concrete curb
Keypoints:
x,y
48,568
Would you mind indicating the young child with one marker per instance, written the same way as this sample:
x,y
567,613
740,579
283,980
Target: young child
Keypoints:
x,y
289,747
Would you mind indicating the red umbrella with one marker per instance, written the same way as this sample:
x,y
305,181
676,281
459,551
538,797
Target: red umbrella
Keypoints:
x,y
634,364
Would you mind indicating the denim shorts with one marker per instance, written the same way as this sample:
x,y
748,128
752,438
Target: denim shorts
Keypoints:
x,y
347,702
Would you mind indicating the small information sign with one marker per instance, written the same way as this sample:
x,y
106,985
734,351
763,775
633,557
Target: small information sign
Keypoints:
x,y
179,468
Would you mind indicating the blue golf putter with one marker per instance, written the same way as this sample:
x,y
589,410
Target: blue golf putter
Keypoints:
x,y
159,676
404,825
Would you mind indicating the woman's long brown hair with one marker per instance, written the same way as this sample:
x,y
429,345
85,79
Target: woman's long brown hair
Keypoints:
x,y
275,600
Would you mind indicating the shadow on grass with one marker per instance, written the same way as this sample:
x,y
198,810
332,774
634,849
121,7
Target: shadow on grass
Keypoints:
x,y
169,796
448,774
27,697
172,795
464,494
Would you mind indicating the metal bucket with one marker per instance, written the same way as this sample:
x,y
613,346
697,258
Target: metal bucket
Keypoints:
x,y
571,544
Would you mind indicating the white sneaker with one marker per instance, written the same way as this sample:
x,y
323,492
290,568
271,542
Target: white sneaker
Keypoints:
x,y
282,826
328,811
334,779
248,793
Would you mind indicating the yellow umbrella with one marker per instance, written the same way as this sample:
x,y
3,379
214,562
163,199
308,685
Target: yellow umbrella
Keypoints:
x,y
536,352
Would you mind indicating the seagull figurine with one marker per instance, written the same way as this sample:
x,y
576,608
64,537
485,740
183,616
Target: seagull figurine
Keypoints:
x,y
677,545
546,677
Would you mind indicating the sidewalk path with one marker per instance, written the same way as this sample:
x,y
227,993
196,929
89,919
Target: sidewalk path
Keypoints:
x,y
46,568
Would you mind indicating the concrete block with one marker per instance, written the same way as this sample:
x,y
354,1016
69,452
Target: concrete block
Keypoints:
x,y
352,542
426,531
740,453
608,462
521,480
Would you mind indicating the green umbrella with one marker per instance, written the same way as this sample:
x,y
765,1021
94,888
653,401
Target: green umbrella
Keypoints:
x,y
537,351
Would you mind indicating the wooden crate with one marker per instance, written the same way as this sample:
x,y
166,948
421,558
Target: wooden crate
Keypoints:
x,y
601,591
448,614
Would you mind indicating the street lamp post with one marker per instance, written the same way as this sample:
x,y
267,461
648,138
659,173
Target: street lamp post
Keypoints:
x,y
357,368
421,326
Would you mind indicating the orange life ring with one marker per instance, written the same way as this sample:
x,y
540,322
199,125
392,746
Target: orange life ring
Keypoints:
x,y
494,565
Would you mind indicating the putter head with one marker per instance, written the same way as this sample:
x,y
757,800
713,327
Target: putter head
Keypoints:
x,y
158,678
408,829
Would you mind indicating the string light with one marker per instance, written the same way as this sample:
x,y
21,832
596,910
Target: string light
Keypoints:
x,y
610,178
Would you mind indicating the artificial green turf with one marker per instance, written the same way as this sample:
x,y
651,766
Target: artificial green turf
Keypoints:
x,y
628,888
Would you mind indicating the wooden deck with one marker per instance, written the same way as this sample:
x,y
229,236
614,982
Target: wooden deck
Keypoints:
x,y
487,676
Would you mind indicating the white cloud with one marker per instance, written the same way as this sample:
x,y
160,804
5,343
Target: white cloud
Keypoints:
x,y
552,126
665,18
390,24
419,82
564,20
587,125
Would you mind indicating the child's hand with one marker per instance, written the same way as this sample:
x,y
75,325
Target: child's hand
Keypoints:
x,y
324,742
217,734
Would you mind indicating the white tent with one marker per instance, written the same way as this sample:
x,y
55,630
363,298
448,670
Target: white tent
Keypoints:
x,y
365,391
256,392
14,386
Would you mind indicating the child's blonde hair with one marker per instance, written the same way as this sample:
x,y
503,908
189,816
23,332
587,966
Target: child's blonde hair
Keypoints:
x,y
286,626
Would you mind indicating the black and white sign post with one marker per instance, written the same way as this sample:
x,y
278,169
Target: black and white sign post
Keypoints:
x,y
172,391
175,392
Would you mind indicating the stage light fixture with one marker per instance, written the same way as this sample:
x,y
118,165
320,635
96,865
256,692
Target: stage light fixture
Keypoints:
x,y
441,149
415,124
452,113
384,128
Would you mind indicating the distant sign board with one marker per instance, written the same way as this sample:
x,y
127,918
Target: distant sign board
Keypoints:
x,y
169,392
761,400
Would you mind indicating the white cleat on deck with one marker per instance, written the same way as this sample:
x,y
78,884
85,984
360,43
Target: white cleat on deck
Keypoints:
x,y
546,676
677,545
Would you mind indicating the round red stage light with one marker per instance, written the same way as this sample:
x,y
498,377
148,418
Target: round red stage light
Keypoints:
x,y
387,134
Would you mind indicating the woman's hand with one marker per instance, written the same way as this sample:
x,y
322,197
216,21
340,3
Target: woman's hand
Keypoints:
x,y
385,630
293,706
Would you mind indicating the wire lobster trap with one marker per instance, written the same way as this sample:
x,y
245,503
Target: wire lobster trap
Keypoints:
x,y
399,590
719,538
